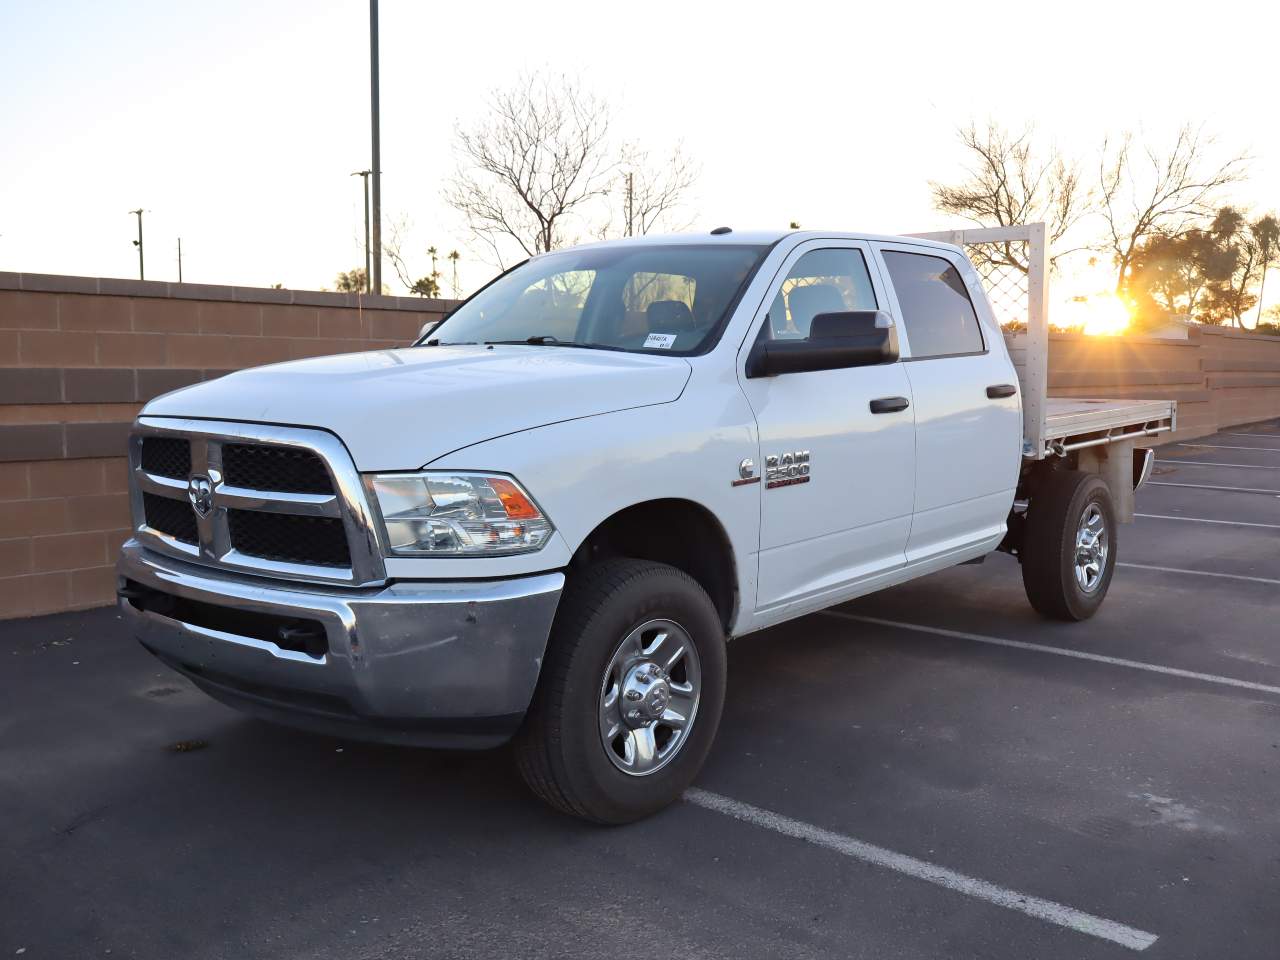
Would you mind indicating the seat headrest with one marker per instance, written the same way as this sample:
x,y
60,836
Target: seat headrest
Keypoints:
x,y
808,302
669,316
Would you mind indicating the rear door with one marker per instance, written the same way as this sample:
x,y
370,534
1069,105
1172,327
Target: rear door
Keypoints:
x,y
838,478
963,385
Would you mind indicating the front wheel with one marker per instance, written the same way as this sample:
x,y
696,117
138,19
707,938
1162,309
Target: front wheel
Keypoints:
x,y
1069,550
630,695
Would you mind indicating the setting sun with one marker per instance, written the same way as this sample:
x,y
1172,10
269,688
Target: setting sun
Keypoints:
x,y
1100,315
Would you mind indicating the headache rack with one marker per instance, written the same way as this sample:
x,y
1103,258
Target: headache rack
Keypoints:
x,y
1051,426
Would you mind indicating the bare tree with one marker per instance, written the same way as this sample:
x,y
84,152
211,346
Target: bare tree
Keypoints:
x,y
653,191
393,250
534,165
1011,182
1155,193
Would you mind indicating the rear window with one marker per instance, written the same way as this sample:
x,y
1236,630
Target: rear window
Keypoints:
x,y
936,310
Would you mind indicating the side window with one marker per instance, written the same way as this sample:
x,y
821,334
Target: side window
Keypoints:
x,y
822,281
936,308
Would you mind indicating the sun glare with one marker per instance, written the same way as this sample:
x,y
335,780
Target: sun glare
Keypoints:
x,y
1099,315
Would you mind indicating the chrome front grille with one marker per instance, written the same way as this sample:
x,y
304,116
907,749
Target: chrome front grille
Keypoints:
x,y
280,501
287,469
167,457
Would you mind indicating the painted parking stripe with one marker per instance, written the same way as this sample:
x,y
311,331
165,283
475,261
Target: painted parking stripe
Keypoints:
x,y
1199,573
1233,466
1229,523
1064,652
1210,486
1219,446
1273,434
1046,910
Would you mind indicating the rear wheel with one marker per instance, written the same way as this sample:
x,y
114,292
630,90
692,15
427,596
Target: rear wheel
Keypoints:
x,y
1069,550
630,695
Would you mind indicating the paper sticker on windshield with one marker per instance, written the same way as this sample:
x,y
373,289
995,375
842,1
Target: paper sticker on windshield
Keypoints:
x,y
659,341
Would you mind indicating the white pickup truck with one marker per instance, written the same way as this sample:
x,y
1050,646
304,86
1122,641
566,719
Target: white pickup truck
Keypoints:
x,y
545,520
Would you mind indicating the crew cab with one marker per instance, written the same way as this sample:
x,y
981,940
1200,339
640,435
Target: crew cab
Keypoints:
x,y
546,519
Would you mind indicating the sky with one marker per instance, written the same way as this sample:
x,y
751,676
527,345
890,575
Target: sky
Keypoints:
x,y
236,125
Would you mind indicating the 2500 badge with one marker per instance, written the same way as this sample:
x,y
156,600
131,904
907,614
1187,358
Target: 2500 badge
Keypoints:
x,y
786,469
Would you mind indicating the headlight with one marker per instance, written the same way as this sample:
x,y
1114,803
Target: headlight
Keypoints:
x,y
458,514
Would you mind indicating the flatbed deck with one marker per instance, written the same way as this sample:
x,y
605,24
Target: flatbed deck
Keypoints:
x,y
1066,416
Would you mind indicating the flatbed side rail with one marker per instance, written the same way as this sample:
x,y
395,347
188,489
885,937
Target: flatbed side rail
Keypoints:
x,y
1061,447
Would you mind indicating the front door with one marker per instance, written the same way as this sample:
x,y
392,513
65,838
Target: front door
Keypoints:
x,y
838,479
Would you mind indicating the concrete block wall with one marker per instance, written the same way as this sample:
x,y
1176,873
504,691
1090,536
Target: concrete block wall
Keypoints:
x,y
78,358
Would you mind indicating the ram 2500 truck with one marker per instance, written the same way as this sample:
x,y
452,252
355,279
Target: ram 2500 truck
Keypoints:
x,y
545,521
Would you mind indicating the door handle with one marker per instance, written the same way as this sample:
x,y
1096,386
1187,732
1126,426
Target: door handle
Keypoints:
x,y
999,390
889,404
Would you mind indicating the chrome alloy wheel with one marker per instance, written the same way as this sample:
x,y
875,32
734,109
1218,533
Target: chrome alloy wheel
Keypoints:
x,y
649,697
1091,548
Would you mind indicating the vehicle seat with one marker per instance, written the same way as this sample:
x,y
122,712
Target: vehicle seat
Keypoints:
x,y
669,316
807,302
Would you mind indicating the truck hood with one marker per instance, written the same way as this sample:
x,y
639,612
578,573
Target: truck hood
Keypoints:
x,y
401,409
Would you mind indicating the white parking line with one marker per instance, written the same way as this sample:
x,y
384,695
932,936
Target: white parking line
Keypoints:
x,y
1276,435
1199,573
1234,466
1219,446
1063,652
1209,486
1047,910
1229,523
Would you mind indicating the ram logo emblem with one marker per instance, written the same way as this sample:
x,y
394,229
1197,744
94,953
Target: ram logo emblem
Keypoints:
x,y
200,493
786,469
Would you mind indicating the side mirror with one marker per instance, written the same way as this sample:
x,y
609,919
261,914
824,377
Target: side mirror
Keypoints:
x,y
427,328
855,338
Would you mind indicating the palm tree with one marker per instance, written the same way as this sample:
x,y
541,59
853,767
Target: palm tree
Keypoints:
x,y
455,257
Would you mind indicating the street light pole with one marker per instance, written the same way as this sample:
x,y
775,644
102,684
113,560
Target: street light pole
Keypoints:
x,y
377,148
364,184
142,274
179,259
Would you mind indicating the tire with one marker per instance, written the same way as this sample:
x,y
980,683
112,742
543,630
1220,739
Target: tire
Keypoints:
x,y
1049,550
561,749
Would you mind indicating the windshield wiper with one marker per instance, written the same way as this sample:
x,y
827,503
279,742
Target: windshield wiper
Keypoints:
x,y
539,340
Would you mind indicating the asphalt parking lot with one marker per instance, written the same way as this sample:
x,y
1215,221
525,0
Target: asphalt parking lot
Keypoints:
x,y
928,772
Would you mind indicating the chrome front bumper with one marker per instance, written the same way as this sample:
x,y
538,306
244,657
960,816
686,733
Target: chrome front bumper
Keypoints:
x,y
449,663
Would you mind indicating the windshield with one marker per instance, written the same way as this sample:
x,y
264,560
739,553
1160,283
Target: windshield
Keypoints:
x,y
644,297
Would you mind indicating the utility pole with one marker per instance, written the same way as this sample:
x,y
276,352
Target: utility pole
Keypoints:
x,y
364,183
142,274
179,259
376,282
